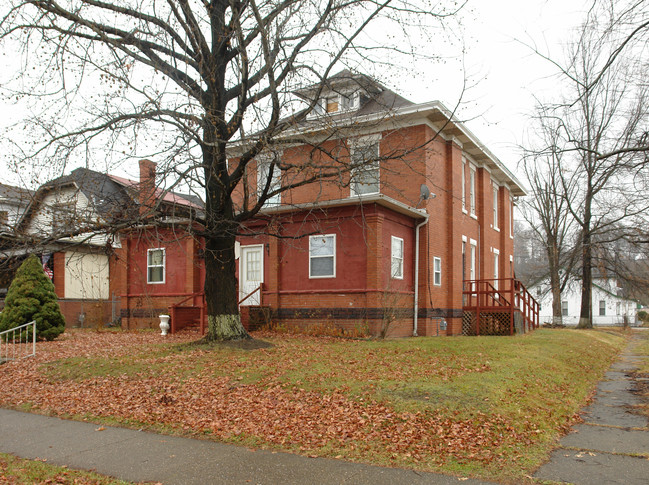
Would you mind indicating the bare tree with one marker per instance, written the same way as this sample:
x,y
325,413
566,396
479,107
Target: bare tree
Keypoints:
x,y
601,133
193,81
547,211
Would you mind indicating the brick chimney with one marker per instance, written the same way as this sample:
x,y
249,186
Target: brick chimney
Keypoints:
x,y
147,186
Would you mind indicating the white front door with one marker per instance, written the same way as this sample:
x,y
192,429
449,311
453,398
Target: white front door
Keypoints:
x,y
251,273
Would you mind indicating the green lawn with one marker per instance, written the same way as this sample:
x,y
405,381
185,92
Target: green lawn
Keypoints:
x,y
491,407
17,471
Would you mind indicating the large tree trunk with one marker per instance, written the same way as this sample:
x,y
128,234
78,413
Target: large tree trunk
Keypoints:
x,y
555,283
585,316
223,318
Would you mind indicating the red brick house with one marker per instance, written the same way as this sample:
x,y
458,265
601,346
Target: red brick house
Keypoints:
x,y
356,264
94,232
363,251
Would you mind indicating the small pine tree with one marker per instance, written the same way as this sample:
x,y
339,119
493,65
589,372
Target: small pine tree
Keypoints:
x,y
31,297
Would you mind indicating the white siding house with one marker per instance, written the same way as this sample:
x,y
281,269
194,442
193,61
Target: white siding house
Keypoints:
x,y
608,307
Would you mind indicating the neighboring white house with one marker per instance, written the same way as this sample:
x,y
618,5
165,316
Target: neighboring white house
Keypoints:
x,y
609,307
13,202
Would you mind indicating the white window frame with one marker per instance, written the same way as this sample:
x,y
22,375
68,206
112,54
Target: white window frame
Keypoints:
x,y
263,169
396,242
564,308
163,266
472,196
333,236
364,143
437,271
496,267
602,308
464,185
473,249
496,191
320,108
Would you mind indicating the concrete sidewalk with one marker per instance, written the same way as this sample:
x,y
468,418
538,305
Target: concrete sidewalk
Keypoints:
x,y
148,457
601,451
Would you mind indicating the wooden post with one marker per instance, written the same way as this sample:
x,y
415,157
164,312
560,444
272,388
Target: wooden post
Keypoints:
x,y
511,306
477,308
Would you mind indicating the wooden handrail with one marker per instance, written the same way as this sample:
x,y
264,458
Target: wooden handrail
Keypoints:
x,y
193,295
481,295
258,289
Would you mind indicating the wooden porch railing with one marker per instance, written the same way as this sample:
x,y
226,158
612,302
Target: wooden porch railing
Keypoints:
x,y
258,289
498,296
176,308
198,303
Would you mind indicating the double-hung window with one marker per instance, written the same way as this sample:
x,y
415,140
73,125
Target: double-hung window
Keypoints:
x,y
464,185
365,168
602,308
322,256
437,271
155,265
472,190
264,164
396,268
495,204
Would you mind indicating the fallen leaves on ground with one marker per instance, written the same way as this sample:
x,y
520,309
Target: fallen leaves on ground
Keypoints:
x,y
213,398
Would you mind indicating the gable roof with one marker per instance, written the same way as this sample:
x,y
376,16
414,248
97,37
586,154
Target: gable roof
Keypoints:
x,y
113,198
175,198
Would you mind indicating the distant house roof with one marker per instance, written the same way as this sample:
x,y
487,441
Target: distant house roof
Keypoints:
x,y
171,197
114,198
17,196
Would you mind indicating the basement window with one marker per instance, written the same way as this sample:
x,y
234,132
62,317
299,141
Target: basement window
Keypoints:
x,y
155,265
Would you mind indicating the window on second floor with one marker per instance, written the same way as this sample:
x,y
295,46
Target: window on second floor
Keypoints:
x,y
63,218
472,190
365,169
263,173
464,185
495,204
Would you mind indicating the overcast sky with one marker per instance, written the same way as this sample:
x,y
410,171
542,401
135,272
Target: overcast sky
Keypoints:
x,y
503,73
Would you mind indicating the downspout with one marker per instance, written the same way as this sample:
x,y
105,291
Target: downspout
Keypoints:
x,y
416,303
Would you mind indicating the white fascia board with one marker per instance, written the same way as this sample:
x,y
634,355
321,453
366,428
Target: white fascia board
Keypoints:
x,y
379,199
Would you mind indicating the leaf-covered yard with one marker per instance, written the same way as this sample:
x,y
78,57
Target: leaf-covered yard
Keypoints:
x,y
491,407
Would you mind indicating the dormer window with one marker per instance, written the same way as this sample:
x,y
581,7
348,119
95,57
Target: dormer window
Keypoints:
x,y
333,103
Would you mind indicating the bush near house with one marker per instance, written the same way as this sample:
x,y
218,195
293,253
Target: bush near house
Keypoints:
x,y
30,297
